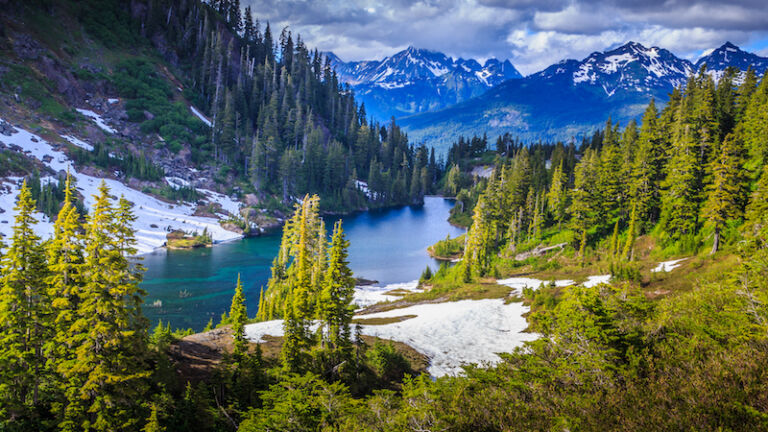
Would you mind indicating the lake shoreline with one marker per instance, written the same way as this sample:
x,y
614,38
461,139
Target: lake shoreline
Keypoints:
x,y
386,245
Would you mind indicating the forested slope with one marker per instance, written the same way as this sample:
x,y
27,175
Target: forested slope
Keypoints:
x,y
204,94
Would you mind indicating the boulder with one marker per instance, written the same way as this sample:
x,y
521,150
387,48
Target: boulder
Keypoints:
x,y
252,200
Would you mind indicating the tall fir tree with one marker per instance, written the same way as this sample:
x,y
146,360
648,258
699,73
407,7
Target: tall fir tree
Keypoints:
x,y
109,336
727,191
238,316
336,296
25,320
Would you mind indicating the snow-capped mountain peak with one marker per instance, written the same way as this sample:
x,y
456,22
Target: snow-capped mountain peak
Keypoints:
x,y
719,59
631,66
422,80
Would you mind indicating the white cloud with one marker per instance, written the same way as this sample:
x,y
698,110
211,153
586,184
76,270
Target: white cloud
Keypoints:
x,y
532,33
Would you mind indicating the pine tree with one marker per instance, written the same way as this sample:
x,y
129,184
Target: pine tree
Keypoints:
x,y
64,255
631,234
336,297
754,125
557,197
584,196
109,336
647,168
615,240
681,198
24,318
726,192
153,423
611,185
238,317
756,226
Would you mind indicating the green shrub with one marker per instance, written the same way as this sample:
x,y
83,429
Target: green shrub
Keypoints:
x,y
387,362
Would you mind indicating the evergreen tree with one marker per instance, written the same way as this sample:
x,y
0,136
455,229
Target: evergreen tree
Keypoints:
x,y
681,197
25,320
336,296
631,234
647,166
108,372
757,213
557,197
153,423
726,192
64,255
238,316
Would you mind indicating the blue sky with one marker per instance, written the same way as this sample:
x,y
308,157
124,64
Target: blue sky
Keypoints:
x,y
531,33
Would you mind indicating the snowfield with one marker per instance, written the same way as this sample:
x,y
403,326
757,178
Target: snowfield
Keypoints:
x,y
451,334
155,218
455,333
9,190
370,295
518,283
596,280
97,119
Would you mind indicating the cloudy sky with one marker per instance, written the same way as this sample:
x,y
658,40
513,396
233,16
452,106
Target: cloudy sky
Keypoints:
x,y
531,33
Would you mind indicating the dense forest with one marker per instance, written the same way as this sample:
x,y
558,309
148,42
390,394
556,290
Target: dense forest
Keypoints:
x,y
279,115
270,115
685,175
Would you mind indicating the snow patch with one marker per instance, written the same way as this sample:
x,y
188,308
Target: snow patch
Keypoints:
x,y
519,283
200,116
227,204
155,218
613,62
596,280
450,334
9,191
176,182
666,266
369,295
97,119
82,144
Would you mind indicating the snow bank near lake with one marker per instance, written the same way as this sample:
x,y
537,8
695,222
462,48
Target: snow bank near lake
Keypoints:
x,y
455,333
155,218
369,295
450,334
668,265
518,283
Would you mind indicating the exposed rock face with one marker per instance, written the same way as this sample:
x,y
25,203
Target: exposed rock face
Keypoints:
x,y
6,128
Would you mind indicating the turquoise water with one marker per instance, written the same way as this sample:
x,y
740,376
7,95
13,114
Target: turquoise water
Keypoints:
x,y
189,287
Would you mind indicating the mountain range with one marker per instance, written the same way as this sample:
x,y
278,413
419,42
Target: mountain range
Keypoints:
x,y
573,97
418,80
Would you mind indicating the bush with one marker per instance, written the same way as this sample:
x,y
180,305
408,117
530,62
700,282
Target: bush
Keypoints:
x,y
388,364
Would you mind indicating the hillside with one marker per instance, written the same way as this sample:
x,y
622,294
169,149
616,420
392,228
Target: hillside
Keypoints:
x,y
191,105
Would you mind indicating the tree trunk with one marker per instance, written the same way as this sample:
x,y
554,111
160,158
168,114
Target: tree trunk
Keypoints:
x,y
716,243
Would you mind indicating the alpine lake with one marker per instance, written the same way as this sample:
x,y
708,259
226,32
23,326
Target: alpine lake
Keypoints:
x,y
189,287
